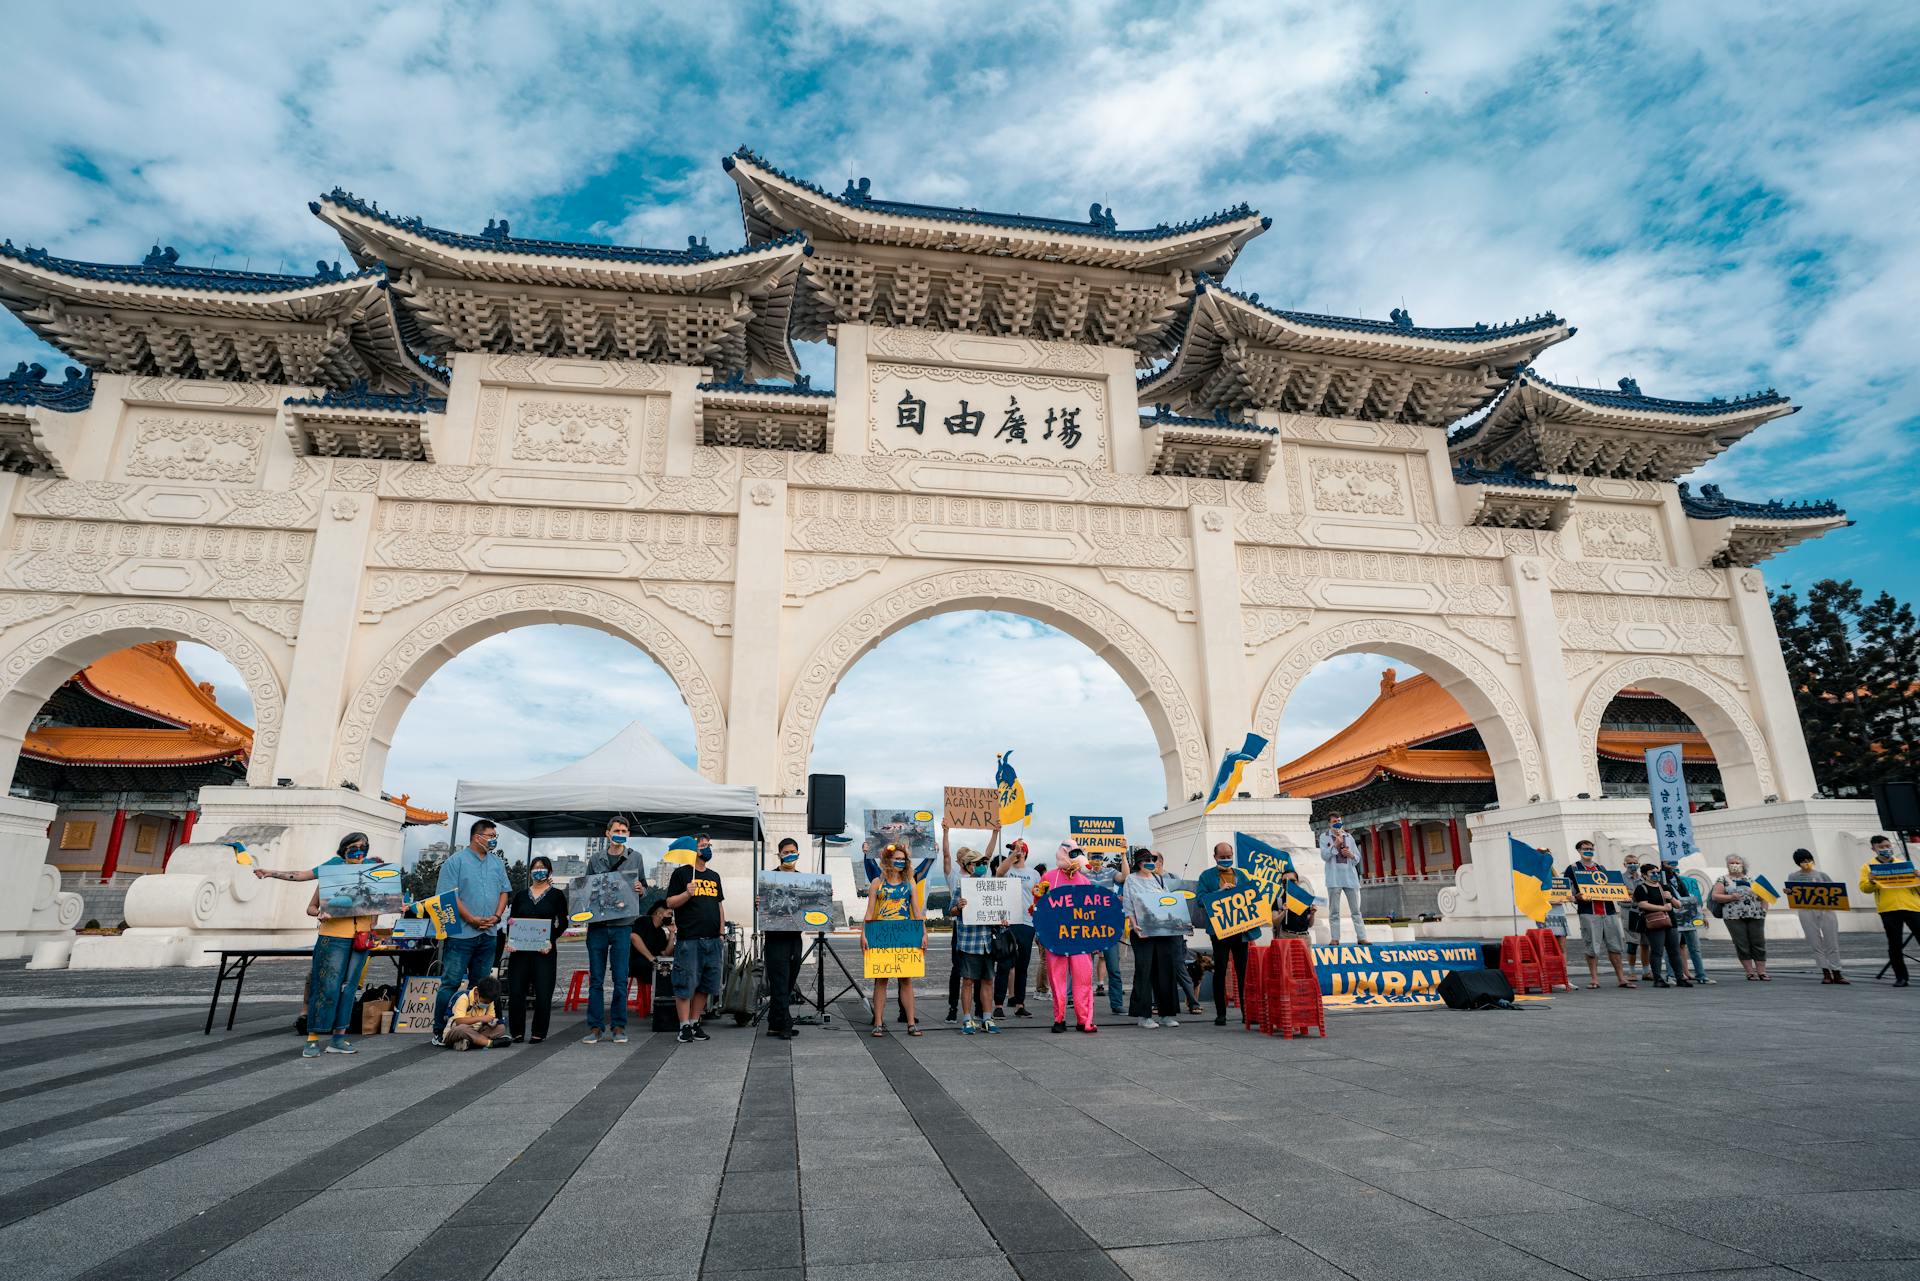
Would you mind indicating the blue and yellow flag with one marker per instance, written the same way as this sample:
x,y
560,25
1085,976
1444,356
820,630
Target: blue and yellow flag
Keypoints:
x,y
1013,797
1263,862
1532,880
681,851
439,910
1297,899
1763,889
1227,782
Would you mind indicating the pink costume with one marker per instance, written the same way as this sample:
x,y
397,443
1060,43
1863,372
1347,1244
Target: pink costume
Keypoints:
x,y
1061,969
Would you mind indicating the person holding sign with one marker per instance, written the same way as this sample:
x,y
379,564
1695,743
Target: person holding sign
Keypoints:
x,y
1897,899
1221,876
971,864
1071,976
1821,928
782,957
1012,974
540,908
1657,908
1687,907
1159,920
700,916
972,942
891,898
1745,913
610,941
1342,858
1106,974
1599,920
338,963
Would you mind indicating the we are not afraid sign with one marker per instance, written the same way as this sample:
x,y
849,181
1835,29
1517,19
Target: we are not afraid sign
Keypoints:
x,y
1077,920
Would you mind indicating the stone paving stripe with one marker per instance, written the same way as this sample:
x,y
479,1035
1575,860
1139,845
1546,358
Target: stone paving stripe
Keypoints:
x,y
57,1189
186,1245
1040,1239
750,1232
478,1235
14,1018
39,1049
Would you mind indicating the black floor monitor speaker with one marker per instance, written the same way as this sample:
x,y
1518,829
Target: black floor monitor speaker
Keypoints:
x,y
1475,989
1899,806
826,804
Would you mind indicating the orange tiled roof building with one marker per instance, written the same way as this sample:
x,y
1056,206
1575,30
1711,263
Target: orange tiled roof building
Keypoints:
x,y
1411,766
123,748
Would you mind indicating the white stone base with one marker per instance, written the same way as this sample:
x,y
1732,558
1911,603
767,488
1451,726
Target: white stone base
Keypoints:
x,y
33,908
51,955
1766,835
1185,836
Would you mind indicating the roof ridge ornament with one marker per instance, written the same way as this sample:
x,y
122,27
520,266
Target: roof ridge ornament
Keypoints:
x,y
1712,503
158,257
1631,386
858,189
1104,218
495,230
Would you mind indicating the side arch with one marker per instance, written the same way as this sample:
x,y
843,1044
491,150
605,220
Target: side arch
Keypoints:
x,y
34,669
1739,749
374,710
1496,712
1169,710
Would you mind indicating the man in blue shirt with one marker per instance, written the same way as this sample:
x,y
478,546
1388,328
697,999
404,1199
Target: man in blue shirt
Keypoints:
x,y
476,877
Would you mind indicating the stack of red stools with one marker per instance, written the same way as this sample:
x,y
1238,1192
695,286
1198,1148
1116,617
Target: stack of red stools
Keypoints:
x,y
1252,988
1520,962
1553,959
1289,990
639,992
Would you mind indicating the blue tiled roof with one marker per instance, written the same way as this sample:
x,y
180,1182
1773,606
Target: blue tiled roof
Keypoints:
x,y
802,385
1711,504
1629,396
27,385
415,400
162,268
1164,415
495,239
1100,222
1401,325
1509,475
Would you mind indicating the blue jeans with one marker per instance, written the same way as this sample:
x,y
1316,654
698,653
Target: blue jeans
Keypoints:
x,y
1116,983
1692,939
608,944
332,984
469,960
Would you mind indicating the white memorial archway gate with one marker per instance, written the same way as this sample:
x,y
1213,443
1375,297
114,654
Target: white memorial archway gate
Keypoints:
x,y
340,485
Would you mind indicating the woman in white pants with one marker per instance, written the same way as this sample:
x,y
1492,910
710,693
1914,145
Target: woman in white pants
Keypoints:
x,y
1821,928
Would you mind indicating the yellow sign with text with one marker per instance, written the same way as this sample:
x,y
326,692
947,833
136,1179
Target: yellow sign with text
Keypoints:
x,y
1817,896
1238,911
894,963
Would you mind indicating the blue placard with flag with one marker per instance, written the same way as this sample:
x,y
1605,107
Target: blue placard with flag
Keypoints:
x,y
1532,880
1893,876
1263,862
1227,781
1098,835
1077,920
1667,792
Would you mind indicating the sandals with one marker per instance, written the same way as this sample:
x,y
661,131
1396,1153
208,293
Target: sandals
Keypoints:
x,y
1629,983
913,1029
878,1030
1594,986
1766,978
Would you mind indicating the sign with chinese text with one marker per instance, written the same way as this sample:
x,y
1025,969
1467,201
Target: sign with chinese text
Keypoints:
x,y
1817,896
1667,791
1238,910
1077,920
991,900
993,414
894,950
1602,886
1098,835
973,808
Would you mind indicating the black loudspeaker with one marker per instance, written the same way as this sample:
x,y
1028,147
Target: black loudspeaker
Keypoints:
x,y
1475,989
1899,806
826,804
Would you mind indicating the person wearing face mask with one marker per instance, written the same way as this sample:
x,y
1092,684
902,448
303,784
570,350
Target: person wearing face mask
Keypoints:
x,y
1157,934
782,958
1010,976
890,897
475,879
530,974
1599,921
334,979
1637,954
1899,908
971,863
1746,916
1822,929
1107,976
1221,876
1342,857
1070,976
698,901
1687,896
610,942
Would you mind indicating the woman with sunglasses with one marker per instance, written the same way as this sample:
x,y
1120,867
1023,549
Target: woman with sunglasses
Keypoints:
x,y
891,898
334,979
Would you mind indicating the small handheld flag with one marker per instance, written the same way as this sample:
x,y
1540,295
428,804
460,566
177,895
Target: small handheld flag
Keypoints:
x,y
240,854
1532,880
1227,781
681,851
1764,891
1299,899
439,910
1013,796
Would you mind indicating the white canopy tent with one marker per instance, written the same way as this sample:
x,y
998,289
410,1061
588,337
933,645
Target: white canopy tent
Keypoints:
x,y
632,776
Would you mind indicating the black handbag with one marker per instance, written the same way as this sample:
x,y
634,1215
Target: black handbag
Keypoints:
x,y
1005,946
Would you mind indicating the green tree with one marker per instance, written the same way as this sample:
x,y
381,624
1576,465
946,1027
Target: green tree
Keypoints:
x,y
1855,668
423,878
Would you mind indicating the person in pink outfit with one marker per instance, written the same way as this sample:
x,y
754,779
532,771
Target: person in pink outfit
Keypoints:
x,y
1068,972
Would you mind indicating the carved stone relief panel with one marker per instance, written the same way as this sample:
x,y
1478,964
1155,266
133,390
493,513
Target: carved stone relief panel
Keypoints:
x,y
954,525
1347,482
979,349
388,590
1258,626
1364,580
156,560
810,575
455,538
587,430
174,444
1619,533
1172,590
1645,624
1639,580
183,503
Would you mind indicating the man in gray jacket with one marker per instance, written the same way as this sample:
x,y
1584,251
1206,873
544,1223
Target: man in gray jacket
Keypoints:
x,y
1342,857
610,942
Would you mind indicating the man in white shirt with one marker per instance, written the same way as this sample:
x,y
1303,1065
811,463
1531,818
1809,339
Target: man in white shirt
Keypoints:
x,y
1013,973
1342,857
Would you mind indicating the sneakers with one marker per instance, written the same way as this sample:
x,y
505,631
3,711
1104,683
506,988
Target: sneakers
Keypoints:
x,y
1020,1012
1219,1020
500,1043
1099,989
1059,1025
1169,1021
999,1012
1152,1023
967,1027
953,1014
592,1037
991,1027
700,1033
686,1034
619,1036
313,1050
340,1045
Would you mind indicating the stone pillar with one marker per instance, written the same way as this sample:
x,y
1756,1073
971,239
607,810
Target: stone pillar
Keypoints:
x,y
1544,674
329,613
850,388
33,910
753,692
1773,703
1223,662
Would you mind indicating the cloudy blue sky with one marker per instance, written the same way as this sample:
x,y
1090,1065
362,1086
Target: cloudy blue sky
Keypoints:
x,y
1720,195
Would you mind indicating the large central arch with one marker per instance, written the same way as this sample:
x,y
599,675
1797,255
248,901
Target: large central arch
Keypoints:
x,y
1183,751
366,728
1496,712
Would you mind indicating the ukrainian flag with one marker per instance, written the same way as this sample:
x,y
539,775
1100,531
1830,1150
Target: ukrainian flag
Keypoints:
x,y
1227,782
1532,880
1299,899
681,851
1763,889
1013,797
439,910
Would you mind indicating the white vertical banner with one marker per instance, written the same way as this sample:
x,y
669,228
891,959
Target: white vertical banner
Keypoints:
x,y
1667,789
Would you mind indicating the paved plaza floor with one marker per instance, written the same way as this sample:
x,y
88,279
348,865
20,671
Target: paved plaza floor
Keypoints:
x,y
1743,1132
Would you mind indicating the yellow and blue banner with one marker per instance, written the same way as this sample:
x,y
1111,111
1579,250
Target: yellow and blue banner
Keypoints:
x,y
1764,891
1391,973
1241,910
1263,862
439,910
1227,782
1532,880
1817,896
681,851
1602,886
894,949
1893,876
1013,797
1098,835
1296,898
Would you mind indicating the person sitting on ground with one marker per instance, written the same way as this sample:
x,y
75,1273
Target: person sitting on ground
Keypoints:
x,y
1656,906
1898,905
1821,928
475,1019
1599,920
1746,916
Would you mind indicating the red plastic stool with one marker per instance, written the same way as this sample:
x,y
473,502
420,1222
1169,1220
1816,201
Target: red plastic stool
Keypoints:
x,y
1292,986
574,999
1553,959
1521,964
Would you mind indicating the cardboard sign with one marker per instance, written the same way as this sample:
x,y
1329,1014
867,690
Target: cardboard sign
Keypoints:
x,y
789,902
1167,909
1392,973
1263,862
1561,891
608,896
1602,886
1893,876
1098,835
359,889
1817,896
973,808
1078,920
991,900
894,950
529,935
1238,910
415,1012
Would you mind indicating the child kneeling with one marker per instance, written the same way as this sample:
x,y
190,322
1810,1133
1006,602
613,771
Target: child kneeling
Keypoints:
x,y
476,1018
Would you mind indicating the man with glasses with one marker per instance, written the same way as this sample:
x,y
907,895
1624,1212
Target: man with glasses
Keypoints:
x,y
1599,921
1342,858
